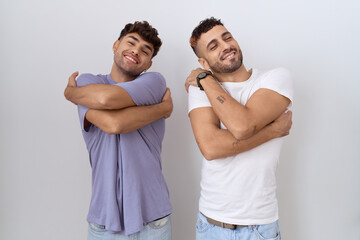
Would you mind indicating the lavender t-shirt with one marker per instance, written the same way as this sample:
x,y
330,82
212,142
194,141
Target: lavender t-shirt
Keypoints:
x,y
128,187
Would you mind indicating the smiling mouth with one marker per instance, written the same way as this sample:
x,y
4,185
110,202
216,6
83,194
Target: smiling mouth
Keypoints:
x,y
228,55
131,59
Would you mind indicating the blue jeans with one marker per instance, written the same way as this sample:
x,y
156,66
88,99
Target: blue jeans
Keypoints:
x,y
156,230
208,231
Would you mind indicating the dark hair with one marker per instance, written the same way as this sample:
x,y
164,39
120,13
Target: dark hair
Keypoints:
x,y
146,32
203,27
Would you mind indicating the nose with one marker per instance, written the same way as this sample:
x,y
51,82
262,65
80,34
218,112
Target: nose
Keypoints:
x,y
135,51
226,46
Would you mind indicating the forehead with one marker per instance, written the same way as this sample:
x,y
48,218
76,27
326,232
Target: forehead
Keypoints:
x,y
213,34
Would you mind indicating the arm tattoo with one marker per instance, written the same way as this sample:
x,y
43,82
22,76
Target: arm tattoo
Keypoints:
x,y
236,143
254,131
221,99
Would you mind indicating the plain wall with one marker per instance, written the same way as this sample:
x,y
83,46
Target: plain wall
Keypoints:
x,y
45,177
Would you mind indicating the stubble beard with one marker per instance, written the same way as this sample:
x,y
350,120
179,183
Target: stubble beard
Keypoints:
x,y
118,62
234,65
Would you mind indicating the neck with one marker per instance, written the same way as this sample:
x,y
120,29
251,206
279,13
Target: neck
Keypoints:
x,y
239,75
119,76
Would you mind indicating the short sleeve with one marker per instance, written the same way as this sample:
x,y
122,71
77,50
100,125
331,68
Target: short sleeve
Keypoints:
x,y
197,98
280,81
83,80
147,89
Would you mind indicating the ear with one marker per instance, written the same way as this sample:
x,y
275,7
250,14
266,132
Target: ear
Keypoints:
x,y
150,63
203,63
116,44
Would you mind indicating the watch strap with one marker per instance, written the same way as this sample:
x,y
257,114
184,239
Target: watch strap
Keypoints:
x,y
200,76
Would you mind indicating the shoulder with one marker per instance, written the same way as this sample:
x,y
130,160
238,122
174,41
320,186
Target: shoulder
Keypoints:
x,y
279,72
197,99
195,92
152,77
277,76
278,80
88,78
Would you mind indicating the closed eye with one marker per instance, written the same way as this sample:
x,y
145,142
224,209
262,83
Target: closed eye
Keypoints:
x,y
227,36
213,47
131,43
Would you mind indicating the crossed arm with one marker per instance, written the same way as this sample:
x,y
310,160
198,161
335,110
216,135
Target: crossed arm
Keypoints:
x,y
262,119
98,96
112,108
243,121
217,143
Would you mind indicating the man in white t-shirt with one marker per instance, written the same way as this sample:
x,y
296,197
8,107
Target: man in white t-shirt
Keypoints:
x,y
238,117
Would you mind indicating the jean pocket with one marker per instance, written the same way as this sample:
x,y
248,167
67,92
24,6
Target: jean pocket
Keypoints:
x,y
97,228
159,223
202,225
268,231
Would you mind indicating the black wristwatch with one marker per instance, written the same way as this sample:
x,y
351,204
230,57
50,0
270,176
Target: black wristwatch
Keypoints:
x,y
201,75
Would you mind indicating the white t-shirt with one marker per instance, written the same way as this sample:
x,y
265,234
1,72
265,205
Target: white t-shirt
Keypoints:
x,y
241,189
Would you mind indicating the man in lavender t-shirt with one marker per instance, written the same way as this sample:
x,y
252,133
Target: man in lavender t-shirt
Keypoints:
x,y
122,117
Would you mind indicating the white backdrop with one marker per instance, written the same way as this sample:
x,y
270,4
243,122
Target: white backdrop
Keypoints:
x,y
44,169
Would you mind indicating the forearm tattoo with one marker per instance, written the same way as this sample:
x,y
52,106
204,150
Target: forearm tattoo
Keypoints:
x,y
236,143
221,99
254,131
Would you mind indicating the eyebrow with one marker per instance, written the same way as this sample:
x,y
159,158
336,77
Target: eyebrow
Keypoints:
x,y
214,40
211,42
137,40
225,33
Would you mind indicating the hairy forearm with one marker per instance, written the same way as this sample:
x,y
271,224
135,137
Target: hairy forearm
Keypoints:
x,y
127,119
100,96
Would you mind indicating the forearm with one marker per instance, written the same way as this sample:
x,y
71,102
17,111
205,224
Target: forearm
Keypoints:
x,y
220,143
243,121
127,119
100,96
233,115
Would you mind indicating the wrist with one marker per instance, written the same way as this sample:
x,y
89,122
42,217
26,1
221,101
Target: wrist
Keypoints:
x,y
208,82
200,77
271,132
276,131
165,107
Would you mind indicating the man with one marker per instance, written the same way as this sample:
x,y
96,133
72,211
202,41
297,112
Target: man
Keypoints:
x,y
122,119
238,117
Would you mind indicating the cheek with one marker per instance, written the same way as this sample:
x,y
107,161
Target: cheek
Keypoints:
x,y
117,56
214,57
145,60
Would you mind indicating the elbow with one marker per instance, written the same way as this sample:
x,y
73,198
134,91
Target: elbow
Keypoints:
x,y
209,157
209,152
104,101
244,131
110,130
112,127
240,134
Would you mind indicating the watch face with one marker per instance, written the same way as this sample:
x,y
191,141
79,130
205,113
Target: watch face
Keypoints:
x,y
202,75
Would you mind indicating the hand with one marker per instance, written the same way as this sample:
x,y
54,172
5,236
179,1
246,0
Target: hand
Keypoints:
x,y
282,125
167,100
191,79
70,86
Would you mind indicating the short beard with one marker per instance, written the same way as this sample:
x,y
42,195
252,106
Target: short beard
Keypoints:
x,y
232,67
130,74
